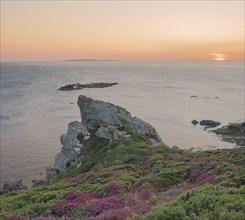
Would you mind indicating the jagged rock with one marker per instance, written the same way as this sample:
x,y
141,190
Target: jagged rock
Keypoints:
x,y
9,187
51,173
77,86
72,142
97,114
209,123
233,133
74,129
103,132
102,120
112,133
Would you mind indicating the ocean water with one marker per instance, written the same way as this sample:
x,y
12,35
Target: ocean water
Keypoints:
x,y
34,114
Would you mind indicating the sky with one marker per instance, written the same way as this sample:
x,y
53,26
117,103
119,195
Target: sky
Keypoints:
x,y
127,30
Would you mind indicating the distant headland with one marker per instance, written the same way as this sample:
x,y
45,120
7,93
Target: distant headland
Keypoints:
x,y
89,60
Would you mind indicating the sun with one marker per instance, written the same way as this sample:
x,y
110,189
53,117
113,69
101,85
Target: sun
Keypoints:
x,y
218,56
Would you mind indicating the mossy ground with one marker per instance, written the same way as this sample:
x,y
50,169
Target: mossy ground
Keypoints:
x,y
133,180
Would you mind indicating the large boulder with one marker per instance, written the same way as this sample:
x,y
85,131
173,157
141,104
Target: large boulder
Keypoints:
x,y
101,120
97,114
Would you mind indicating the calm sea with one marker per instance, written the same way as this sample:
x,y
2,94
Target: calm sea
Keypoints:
x,y
34,114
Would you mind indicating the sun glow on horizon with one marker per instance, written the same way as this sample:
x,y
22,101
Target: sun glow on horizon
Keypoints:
x,y
219,56
122,30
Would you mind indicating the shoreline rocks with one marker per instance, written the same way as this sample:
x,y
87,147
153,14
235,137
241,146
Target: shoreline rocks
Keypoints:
x,y
232,133
77,86
194,122
102,122
207,123
9,187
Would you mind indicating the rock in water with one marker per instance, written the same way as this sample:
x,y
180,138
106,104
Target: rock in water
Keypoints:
x,y
209,123
101,120
194,122
77,86
233,133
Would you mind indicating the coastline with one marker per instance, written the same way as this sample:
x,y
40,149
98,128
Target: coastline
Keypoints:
x,y
118,159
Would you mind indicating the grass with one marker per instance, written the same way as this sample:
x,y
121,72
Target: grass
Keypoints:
x,y
137,181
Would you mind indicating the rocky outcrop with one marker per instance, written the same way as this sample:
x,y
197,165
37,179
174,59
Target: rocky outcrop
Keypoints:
x,y
206,123
233,133
209,123
71,150
77,86
9,187
101,121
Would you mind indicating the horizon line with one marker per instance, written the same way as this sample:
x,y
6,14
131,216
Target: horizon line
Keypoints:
x,y
113,60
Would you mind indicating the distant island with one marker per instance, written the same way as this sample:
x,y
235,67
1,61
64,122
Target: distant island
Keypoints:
x,y
90,60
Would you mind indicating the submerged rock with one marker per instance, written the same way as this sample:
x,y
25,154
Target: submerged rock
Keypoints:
x,y
77,86
102,122
194,122
209,123
233,133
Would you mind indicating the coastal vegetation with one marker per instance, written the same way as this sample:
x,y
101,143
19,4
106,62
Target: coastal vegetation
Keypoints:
x,y
115,167
133,180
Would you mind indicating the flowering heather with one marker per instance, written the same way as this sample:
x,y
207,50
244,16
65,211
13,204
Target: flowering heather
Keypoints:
x,y
16,217
72,200
206,178
132,199
79,197
193,174
70,196
113,214
43,218
112,189
136,186
142,208
58,208
174,183
100,205
146,194
84,197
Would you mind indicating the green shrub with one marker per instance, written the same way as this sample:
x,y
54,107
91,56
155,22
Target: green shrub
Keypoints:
x,y
169,176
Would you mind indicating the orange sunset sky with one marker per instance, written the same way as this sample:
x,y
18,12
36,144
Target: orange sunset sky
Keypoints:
x,y
130,30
